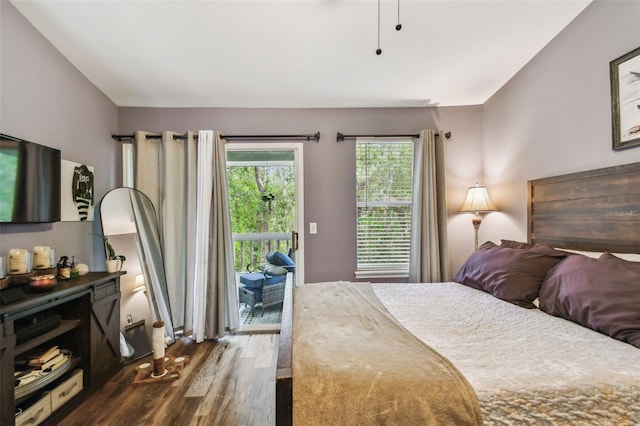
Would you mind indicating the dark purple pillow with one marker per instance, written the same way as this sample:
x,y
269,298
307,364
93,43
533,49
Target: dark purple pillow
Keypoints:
x,y
601,294
515,244
510,274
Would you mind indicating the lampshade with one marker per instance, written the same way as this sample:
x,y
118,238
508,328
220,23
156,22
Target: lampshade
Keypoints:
x,y
477,201
139,283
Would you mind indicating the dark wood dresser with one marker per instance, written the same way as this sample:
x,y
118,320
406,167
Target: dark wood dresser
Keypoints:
x,y
86,314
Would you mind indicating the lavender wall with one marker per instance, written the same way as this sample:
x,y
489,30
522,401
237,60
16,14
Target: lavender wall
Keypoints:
x,y
46,100
329,178
554,116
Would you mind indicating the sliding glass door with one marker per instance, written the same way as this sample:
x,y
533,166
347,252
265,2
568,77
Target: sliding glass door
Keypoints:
x,y
265,181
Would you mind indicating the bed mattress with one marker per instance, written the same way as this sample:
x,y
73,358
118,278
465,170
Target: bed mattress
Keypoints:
x,y
526,366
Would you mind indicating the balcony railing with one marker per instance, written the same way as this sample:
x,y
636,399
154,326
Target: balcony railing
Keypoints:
x,y
251,249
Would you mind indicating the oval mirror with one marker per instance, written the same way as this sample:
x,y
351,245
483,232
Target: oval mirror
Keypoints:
x,y
129,211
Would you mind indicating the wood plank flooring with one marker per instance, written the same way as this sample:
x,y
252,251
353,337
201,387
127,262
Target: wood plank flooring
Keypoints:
x,y
229,382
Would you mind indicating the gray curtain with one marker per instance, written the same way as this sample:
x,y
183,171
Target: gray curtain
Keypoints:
x,y
161,171
167,170
429,260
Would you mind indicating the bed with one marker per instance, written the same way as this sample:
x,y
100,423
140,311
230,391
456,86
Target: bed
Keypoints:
x,y
508,347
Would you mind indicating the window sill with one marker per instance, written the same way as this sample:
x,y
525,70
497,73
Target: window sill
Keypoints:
x,y
386,273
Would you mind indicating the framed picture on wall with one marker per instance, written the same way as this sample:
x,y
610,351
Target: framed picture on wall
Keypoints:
x,y
76,193
625,100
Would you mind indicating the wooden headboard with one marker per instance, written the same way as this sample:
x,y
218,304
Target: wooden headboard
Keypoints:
x,y
596,210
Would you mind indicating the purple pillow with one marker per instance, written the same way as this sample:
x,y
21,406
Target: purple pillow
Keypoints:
x,y
510,274
515,244
601,294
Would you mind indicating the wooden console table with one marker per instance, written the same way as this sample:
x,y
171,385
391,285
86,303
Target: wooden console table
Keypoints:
x,y
89,307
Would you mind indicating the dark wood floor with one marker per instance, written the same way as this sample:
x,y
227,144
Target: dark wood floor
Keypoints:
x,y
230,382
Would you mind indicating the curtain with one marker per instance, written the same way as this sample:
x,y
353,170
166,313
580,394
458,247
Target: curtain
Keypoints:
x,y
429,260
215,282
181,177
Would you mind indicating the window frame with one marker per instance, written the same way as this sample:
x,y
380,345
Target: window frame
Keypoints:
x,y
391,270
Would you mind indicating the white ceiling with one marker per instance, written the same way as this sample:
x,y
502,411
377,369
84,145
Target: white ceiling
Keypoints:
x,y
305,53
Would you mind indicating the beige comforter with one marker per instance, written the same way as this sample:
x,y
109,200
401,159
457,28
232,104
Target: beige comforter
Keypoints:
x,y
353,363
526,367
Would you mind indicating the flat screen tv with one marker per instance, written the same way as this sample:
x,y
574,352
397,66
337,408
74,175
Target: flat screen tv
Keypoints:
x,y
29,182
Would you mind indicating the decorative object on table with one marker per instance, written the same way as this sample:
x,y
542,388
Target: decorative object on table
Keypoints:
x,y
19,261
477,202
72,265
44,257
165,368
64,268
114,265
625,102
76,197
82,269
114,261
42,283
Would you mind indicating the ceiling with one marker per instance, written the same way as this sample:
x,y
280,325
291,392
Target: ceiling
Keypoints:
x,y
299,54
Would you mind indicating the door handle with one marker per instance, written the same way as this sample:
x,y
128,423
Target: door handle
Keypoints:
x,y
294,241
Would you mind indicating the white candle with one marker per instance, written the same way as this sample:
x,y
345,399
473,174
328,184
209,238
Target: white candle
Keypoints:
x,y
18,261
41,257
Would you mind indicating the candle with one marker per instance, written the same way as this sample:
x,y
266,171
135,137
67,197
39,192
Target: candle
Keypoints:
x,y
41,257
19,261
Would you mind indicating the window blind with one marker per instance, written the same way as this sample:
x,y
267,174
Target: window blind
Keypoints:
x,y
384,179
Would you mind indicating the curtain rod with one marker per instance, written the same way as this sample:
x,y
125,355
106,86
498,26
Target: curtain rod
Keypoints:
x,y
308,137
341,137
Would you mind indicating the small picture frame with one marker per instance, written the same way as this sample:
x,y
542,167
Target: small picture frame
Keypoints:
x,y
625,100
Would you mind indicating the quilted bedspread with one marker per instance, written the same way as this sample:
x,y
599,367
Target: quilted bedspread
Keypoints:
x,y
354,364
526,366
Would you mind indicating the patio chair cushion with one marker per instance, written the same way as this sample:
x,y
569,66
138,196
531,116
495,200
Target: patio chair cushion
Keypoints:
x,y
271,270
281,259
258,279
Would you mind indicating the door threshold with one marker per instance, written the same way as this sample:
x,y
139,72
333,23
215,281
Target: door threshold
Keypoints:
x,y
259,329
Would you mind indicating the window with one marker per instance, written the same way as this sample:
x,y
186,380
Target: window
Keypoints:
x,y
384,180
127,165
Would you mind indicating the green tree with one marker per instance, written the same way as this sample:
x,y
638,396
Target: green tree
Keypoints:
x,y
262,199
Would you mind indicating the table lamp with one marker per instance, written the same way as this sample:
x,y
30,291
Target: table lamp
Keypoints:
x,y
139,284
477,202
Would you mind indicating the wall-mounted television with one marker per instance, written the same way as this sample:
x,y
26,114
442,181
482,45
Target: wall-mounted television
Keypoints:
x,y
29,182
